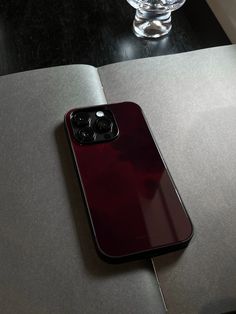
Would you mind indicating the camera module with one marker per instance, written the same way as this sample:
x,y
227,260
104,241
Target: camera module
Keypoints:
x,y
93,125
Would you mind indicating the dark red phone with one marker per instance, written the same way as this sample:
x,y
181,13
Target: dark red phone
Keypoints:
x,y
134,208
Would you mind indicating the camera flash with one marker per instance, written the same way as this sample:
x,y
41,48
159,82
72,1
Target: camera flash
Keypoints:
x,y
100,114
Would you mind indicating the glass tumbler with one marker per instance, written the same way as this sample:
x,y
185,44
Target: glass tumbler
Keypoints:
x,y
153,17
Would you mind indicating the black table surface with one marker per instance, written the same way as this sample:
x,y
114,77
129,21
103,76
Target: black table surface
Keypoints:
x,y
43,33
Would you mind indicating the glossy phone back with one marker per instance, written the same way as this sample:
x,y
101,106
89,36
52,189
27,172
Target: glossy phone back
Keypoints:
x,y
134,208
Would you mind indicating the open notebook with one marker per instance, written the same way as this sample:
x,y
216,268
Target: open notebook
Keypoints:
x,y
189,100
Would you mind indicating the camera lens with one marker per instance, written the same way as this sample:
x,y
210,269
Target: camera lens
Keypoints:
x,y
86,135
81,119
103,125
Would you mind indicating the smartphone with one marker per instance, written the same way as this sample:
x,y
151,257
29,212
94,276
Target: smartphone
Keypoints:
x,y
133,205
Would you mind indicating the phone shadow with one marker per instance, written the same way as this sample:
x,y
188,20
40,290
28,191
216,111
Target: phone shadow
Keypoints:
x,y
94,265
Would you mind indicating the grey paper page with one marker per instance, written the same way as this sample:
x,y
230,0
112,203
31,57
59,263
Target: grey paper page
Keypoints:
x,y
48,260
190,102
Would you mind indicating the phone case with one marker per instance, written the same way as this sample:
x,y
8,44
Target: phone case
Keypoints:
x,y
134,208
